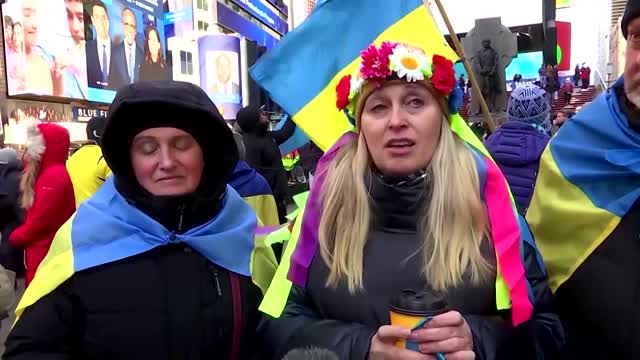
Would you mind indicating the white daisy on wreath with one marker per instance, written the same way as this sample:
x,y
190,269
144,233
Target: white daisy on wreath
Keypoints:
x,y
410,64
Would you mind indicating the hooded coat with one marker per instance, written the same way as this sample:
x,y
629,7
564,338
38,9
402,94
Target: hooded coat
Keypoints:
x,y
262,151
11,214
517,147
169,280
51,193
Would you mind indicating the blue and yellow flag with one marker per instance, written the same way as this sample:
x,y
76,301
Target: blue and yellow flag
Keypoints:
x,y
298,76
588,180
255,190
106,229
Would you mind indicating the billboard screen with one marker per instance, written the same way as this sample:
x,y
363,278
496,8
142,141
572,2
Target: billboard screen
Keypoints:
x,y
124,45
178,17
219,57
82,49
44,48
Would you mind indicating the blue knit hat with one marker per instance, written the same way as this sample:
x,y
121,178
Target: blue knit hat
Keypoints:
x,y
529,104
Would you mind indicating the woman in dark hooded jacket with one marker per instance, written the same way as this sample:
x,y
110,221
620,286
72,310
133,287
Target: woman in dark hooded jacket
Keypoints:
x,y
263,153
160,263
11,214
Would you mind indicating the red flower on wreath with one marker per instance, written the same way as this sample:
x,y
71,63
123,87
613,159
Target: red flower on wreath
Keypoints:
x,y
375,62
444,75
342,92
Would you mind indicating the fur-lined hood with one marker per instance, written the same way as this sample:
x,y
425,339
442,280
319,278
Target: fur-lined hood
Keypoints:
x,y
48,144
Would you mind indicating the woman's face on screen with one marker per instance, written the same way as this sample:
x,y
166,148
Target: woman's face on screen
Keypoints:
x,y
154,43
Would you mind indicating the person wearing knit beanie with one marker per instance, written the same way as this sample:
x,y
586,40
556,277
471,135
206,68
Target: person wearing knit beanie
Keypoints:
x,y
529,104
517,145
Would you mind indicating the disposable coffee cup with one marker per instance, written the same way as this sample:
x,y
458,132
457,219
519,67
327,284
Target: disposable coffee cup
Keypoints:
x,y
412,309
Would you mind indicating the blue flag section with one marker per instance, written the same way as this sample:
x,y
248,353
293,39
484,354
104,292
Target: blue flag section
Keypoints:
x,y
296,141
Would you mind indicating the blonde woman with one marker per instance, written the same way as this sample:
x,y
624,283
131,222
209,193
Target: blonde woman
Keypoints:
x,y
47,193
412,201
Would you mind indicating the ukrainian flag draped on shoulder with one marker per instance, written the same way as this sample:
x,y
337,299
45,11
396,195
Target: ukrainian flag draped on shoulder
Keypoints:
x,y
588,180
299,78
106,229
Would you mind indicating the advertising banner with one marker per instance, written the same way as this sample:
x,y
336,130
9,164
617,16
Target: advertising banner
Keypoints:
x,y
44,49
219,57
82,114
245,27
564,45
266,15
53,48
124,45
178,17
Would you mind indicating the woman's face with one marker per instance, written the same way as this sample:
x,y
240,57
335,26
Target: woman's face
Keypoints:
x,y
18,36
154,44
167,161
401,124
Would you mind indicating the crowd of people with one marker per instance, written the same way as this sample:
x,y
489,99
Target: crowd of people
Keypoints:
x,y
152,240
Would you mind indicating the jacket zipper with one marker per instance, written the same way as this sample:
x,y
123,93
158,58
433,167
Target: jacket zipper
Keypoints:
x,y
215,276
181,216
237,316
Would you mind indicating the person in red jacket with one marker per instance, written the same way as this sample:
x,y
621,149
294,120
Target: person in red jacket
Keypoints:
x,y
47,193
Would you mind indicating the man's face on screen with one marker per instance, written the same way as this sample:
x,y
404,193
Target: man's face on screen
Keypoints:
x,y
75,19
100,20
129,26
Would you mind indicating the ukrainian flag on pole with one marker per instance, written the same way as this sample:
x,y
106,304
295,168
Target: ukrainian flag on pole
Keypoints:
x,y
301,73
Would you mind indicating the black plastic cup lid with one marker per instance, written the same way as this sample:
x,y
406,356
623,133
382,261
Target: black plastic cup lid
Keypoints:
x,y
418,303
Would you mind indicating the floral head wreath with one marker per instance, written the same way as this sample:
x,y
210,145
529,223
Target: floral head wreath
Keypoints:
x,y
379,64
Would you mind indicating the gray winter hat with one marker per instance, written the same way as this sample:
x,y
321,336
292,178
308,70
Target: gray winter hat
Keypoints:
x,y
7,155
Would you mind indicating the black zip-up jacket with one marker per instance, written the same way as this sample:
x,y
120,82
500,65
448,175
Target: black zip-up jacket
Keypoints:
x,y
11,215
333,319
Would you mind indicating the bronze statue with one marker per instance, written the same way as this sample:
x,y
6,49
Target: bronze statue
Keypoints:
x,y
488,62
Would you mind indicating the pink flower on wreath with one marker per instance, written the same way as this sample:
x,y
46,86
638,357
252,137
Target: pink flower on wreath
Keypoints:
x,y
342,92
444,75
375,62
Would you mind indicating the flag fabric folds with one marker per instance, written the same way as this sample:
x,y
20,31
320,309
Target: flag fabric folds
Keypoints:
x,y
301,73
588,180
255,190
295,142
106,229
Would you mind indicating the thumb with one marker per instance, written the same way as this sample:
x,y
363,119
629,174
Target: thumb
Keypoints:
x,y
390,333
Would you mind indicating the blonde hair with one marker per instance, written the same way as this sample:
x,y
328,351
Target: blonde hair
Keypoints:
x,y
35,148
453,224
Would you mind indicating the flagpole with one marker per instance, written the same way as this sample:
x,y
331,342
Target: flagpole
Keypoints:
x,y
474,82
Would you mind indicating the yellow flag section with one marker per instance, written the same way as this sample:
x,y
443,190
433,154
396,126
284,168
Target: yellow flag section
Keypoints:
x,y
566,224
57,265
265,208
311,59
274,302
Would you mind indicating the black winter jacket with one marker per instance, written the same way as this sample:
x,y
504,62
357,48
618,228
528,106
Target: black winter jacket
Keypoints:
x,y
262,151
11,215
168,303
344,323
